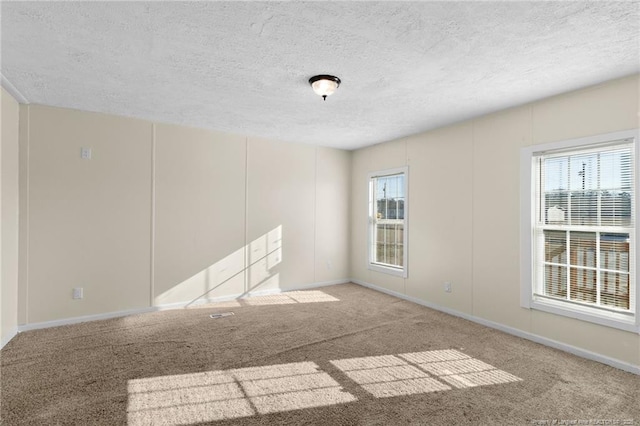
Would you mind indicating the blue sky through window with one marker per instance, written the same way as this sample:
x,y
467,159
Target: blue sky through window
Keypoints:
x,y
390,187
578,172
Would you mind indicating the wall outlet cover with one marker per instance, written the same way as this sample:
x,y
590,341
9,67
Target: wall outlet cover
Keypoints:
x,y
78,293
85,153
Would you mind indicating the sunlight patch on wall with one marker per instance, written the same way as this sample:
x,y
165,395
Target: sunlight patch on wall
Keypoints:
x,y
218,395
246,269
264,254
224,275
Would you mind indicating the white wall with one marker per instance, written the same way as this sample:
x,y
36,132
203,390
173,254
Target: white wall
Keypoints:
x,y
9,217
464,210
164,214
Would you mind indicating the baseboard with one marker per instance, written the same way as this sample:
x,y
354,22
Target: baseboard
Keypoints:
x,y
298,288
86,318
167,306
8,338
267,292
622,365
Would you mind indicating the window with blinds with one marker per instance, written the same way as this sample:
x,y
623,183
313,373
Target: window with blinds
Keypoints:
x,y
387,221
584,230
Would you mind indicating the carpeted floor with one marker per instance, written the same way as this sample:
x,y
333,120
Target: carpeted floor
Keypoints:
x,y
339,355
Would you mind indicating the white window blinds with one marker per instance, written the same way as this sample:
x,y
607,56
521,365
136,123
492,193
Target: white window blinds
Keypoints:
x,y
584,229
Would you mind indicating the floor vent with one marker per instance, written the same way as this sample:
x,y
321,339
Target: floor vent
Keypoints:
x,y
221,315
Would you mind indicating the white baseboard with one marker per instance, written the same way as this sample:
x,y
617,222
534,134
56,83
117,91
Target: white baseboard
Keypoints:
x,y
76,320
298,288
622,365
8,337
267,292
178,305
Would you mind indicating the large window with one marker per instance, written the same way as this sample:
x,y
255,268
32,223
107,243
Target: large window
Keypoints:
x,y
582,229
388,221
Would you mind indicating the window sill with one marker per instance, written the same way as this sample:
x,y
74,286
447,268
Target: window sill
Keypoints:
x,y
621,321
402,273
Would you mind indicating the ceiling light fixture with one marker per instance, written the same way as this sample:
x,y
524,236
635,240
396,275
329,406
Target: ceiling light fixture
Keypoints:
x,y
324,85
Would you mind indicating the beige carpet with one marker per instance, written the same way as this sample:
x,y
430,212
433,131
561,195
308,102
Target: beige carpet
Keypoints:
x,y
339,355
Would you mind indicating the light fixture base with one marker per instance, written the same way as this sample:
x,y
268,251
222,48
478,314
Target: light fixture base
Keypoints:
x,y
324,84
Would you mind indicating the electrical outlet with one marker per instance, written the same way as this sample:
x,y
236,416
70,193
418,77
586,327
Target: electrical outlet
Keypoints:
x,y
447,287
328,264
85,153
78,293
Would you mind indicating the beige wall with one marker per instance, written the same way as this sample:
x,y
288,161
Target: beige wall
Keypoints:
x,y
199,214
464,210
89,220
164,214
9,214
332,207
280,199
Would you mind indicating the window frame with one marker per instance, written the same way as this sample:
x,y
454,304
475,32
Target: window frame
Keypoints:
x,y
371,265
528,202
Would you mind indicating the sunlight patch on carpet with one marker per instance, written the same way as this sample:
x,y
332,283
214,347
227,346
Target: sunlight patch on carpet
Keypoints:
x,y
224,304
405,387
285,298
368,362
420,372
309,296
274,299
217,395
459,369
188,399
388,375
482,378
469,365
302,399
434,356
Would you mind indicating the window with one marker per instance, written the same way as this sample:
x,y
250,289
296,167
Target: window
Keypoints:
x,y
579,236
388,221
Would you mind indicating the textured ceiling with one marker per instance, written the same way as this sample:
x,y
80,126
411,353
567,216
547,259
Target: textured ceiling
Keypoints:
x,y
243,67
